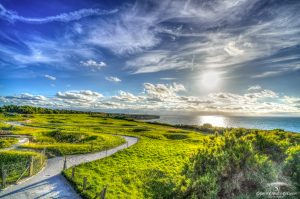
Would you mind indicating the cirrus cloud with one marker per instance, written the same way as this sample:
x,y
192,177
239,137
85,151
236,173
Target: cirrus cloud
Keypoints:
x,y
13,16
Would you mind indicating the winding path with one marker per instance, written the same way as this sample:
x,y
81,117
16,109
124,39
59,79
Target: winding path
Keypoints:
x,y
49,183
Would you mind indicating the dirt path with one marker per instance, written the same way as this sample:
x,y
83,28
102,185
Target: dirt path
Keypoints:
x,y
49,183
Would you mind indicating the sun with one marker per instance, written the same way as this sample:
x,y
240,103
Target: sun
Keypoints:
x,y
210,80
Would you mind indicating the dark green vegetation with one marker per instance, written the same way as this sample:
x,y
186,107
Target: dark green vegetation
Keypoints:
x,y
168,161
240,163
12,110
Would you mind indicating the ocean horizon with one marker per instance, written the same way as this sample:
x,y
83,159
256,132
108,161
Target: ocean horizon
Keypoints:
x,y
261,122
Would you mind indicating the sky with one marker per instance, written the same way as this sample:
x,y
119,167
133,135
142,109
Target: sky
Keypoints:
x,y
239,57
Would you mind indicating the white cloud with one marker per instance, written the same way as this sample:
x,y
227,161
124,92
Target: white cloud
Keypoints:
x,y
79,97
267,74
232,50
155,61
291,100
225,47
113,79
36,56
162,92
50,77
126,97
167,78
254,88
12,16
93,65
165,97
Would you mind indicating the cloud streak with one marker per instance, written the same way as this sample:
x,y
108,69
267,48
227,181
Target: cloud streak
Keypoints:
x,y
13,16
50,77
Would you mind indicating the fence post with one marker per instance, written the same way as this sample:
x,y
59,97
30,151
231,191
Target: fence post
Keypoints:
x,y
103,192
44,151
65,163
73,173
84,184
31,166
4,175
92,147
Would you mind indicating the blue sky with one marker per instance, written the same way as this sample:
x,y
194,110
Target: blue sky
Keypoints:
x,y
205,56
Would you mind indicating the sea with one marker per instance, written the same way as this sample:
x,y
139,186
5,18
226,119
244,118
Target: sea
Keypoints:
x,y
268,123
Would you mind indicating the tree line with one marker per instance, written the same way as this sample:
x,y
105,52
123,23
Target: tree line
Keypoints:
x,y
12,109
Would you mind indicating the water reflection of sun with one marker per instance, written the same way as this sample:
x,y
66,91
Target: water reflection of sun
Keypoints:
x,y
213,120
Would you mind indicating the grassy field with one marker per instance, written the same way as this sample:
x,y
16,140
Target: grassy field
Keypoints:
x,y
62,134
159,166
143,170
55,134
167,162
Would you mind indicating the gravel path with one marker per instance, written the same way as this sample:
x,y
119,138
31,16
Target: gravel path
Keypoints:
x,y
49,183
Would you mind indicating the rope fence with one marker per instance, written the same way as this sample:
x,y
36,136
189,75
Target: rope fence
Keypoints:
x,y
14,172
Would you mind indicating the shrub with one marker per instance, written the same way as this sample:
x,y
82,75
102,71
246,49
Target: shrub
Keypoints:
x,y
176,136
227,169
292,166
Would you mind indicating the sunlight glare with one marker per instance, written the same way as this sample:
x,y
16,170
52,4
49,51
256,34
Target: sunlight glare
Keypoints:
x,y
210,80
213,120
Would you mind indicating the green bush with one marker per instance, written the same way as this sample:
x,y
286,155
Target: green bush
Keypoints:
x,y
68,137
292,166
176,136
226,169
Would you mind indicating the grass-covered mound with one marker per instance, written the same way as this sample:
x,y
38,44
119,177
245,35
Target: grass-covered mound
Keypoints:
x,y
16,165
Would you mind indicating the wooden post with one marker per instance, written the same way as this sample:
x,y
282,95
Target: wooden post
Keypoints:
x,y
65,163
4,175
103,192
44,151
31,166
92,147
84,184
73,173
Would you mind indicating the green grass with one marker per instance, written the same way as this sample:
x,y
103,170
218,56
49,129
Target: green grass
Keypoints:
x,y
15,163
136,171
63,134
7,142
